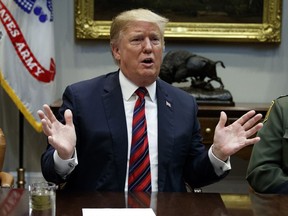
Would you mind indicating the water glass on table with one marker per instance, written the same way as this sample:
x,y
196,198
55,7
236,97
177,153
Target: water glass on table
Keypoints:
x,y
42,199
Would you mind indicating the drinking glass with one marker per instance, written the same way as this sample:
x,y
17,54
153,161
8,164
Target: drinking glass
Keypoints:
x,y
42,199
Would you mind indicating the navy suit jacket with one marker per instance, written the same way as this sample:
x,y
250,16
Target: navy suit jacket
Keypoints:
x,y
99,118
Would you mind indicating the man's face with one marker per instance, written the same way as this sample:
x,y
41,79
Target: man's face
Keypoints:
x,y
139,52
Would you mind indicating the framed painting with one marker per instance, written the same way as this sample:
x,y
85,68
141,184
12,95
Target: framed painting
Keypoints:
x,y
209,20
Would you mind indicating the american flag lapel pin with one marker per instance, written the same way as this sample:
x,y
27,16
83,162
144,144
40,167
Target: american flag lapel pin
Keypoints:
x,y
168,104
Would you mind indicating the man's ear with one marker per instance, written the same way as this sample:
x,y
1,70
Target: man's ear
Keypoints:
x,y
115,52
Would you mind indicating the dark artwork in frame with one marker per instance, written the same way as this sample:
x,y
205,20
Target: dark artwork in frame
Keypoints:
x,y
201,20
222,11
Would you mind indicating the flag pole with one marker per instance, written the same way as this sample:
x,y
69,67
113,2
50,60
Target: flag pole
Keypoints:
x,y
21,170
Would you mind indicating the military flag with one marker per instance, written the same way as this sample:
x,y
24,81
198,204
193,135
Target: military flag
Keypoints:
x,y
27,55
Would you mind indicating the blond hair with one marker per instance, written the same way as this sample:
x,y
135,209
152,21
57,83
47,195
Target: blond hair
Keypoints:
x,y
122,21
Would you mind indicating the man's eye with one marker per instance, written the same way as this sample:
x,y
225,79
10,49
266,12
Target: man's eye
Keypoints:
x,y
136,41
155,40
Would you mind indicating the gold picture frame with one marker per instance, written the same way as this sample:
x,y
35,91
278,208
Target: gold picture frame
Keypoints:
x,y
267,31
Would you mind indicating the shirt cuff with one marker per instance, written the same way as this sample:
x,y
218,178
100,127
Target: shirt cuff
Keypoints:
x,y
65,167
220,167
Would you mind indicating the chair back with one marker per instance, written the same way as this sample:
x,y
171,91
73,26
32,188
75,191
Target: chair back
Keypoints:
x,y
6,179
2,149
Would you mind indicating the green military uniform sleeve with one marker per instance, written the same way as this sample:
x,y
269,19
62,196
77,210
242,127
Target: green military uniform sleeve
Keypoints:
x,y
268,166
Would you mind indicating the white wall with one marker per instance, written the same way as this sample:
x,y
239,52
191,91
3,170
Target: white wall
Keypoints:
x,y
254,73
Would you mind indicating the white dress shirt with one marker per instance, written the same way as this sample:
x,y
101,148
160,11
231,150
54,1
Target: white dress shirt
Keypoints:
x,y
65,167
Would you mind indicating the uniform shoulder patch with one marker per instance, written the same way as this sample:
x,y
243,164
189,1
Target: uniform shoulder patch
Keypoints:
x,y
271,105
268,111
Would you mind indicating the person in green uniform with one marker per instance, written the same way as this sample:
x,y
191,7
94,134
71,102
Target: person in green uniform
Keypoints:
x,y
268,166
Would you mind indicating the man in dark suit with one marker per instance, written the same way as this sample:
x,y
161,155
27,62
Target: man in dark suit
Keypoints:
x,y
89,143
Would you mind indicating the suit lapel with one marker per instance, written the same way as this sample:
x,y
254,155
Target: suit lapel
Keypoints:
x,y
165,133
115,115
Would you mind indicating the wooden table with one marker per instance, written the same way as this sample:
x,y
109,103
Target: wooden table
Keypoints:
x,y
15,202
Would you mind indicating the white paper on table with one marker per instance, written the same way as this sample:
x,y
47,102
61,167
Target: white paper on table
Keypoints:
x,y
118,211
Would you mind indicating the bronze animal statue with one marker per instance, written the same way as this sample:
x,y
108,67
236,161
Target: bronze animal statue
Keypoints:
x,y
177,66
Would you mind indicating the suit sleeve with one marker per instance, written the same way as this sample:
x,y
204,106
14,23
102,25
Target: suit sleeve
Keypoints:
x,y
47,159
199,170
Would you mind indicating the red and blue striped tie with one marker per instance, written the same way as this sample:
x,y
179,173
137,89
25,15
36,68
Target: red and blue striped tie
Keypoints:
x,y
139,165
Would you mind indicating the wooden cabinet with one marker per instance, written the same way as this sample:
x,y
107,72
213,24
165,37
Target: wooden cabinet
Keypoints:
x,y
209,116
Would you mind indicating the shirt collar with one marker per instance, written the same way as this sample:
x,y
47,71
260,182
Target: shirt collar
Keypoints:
x,y
128,88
